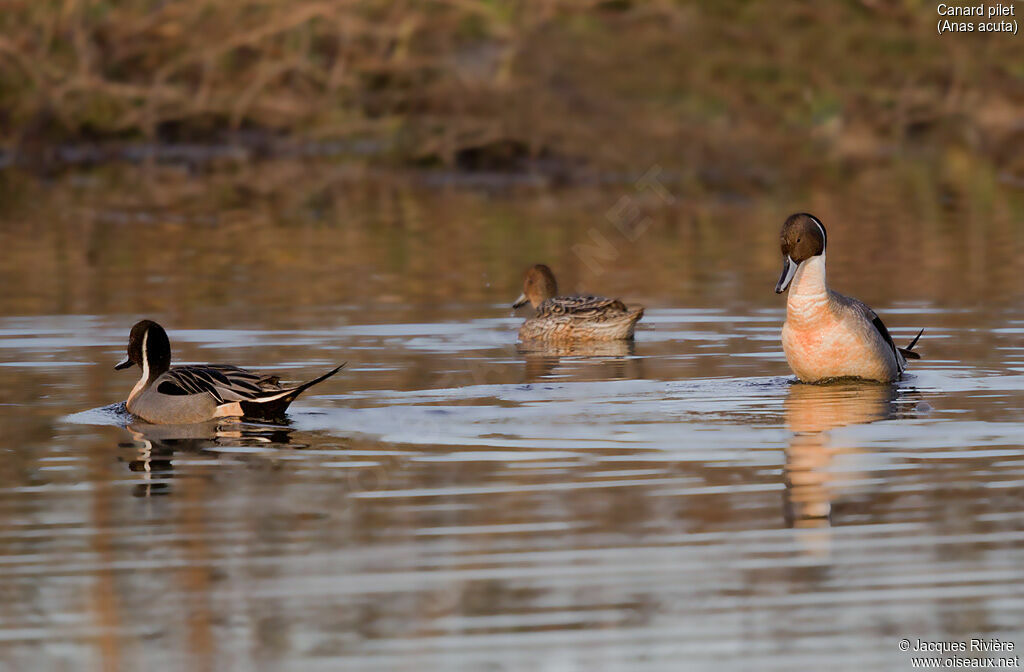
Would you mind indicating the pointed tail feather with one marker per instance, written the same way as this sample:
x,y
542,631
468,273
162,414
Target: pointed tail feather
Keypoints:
x,y
273,406
908,352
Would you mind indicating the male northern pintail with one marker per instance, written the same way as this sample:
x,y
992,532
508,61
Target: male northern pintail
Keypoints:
x,y
828,335
572,318
197,393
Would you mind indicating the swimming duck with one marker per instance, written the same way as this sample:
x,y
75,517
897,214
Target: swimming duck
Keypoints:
x,y
571,318
828,335
197,393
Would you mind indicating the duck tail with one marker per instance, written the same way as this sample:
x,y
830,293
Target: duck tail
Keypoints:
x,y
272,407
908,352
627,327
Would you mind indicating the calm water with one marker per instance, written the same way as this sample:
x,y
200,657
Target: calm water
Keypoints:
x,y
452,502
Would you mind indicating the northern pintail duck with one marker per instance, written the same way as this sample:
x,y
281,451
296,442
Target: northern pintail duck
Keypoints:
x,y
572,318
197,393
828,335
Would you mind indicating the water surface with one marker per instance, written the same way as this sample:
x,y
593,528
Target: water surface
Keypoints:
x,y
454,501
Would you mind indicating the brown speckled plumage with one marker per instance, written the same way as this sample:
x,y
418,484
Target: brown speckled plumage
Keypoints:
x,y
572,318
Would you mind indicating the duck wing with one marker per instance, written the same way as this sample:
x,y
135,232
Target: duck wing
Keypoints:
x,y
594,307
223,382
901,354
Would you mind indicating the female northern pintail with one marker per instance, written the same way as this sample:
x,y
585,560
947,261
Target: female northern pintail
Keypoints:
x,y
572,318
187,394
828,335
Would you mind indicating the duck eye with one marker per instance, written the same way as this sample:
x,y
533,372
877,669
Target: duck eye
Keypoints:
x,y
798,240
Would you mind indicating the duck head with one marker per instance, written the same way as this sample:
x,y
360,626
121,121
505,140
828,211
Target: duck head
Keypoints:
x,y
149,348
803,236
538,286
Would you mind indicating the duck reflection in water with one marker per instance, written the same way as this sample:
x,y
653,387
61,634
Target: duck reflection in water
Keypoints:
x,y
616,358
156,446
812,411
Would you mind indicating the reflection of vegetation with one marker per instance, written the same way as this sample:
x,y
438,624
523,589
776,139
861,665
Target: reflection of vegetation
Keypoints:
x,y
283,233
726,88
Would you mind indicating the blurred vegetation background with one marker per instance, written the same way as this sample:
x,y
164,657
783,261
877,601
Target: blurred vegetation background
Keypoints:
x,y
728,93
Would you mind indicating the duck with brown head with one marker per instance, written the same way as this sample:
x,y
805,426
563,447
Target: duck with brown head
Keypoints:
x,y
827,335
571,318
197,393
539,285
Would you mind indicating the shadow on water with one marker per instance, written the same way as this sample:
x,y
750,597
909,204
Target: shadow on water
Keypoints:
x,y
615,358
157,446
813,471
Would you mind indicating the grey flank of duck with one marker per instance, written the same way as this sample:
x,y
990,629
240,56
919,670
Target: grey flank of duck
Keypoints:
x,y
572,318
168,394
827,335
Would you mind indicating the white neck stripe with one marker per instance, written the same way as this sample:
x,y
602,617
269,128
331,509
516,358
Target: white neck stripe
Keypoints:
x,y
145,356
824,236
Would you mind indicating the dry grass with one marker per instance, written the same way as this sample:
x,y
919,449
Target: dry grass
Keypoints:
x,y
138,68
730,87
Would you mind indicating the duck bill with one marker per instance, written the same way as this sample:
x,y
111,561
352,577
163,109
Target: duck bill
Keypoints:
x,y
788,271
123,365
521,301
